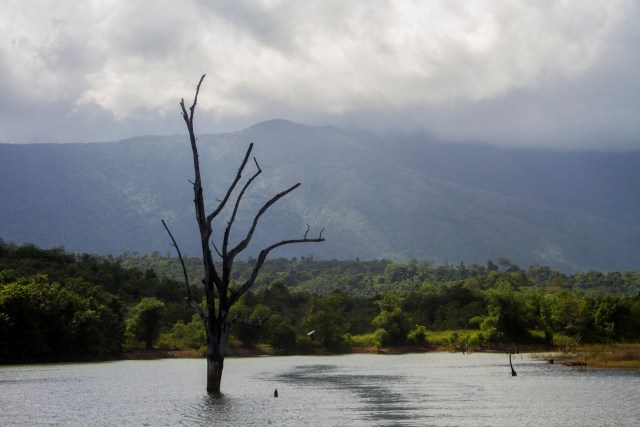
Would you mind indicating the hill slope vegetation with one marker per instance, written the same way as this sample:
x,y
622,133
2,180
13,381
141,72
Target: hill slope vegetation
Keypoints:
x,y
393,198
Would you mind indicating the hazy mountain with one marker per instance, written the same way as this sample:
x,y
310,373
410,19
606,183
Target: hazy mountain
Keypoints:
x,y
393,197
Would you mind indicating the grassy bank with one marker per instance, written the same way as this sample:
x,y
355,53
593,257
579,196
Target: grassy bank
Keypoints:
x,y
603,356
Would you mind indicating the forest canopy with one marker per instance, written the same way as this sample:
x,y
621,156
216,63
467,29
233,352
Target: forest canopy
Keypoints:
x,y
56,305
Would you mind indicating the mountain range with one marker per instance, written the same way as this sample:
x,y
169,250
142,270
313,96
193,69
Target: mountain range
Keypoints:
x,y
395,196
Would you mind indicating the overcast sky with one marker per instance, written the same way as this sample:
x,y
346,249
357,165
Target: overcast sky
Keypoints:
x,y
553,74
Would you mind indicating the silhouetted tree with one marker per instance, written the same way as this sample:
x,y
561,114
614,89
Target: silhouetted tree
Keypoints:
x,y
220,296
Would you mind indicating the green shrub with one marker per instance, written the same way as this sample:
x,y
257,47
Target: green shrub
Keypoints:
x,y
184,335
418,335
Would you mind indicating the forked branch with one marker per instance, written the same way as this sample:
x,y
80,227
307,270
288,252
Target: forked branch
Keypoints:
x,y
223,202
204,225
245,242
236,294
188,119
227,231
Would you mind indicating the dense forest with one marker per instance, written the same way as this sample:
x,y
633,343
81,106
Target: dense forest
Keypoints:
x,y
57,305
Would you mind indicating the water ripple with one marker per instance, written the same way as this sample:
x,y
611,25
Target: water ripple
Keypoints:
x,y
425,389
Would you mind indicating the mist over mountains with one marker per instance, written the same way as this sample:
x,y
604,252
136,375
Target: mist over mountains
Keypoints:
x,y
396,197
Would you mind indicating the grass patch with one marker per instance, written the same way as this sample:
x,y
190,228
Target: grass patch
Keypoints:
x,y
608,356
371,339
455,338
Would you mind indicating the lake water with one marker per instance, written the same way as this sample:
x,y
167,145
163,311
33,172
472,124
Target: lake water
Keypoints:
x,y
440,389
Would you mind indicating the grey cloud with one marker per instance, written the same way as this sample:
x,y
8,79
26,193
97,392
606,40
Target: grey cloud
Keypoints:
x,y
517,73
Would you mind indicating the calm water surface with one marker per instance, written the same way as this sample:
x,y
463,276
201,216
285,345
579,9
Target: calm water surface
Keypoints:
x,y
440,389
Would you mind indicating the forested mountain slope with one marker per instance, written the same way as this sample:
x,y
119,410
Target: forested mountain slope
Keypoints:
x,y
395,198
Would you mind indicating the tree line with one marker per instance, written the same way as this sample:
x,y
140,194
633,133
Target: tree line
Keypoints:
x,y
55,304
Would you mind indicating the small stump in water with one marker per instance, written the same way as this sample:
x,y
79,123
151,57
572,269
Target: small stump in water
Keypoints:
x,y
513,371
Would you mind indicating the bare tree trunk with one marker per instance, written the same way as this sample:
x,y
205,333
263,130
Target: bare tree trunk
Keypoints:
x,y
215,365
217,284
216,349
215,362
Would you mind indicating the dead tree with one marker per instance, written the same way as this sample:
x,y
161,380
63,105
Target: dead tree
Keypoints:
x,y
220,295
513,371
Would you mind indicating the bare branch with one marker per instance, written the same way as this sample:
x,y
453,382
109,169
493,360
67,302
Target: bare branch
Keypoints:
x,y
235,210
195,98
245,242
188,118
188,299
223,202
204,226
228,260
216,249
235,295
184,268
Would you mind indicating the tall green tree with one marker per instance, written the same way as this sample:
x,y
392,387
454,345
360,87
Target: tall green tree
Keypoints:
x,y
327,317
392,323
145,320
507,317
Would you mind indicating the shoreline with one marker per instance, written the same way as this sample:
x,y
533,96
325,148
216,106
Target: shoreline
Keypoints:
x,y
593,356
143,354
